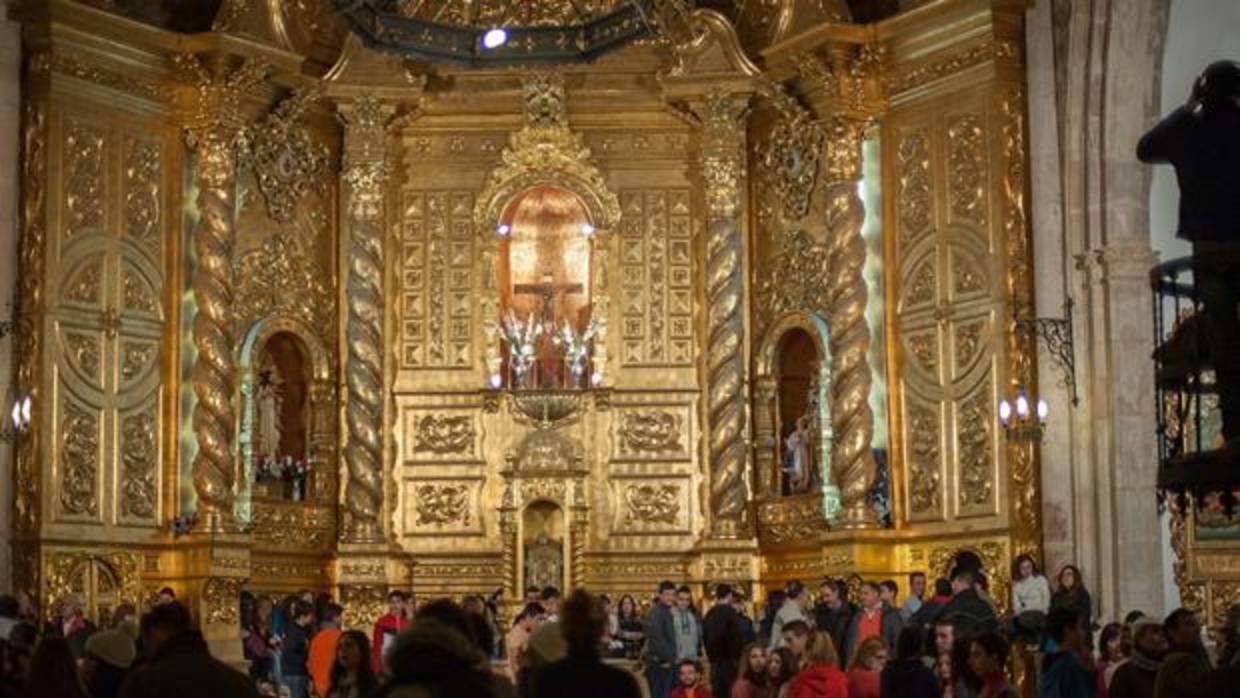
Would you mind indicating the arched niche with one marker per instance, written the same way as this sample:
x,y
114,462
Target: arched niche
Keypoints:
x,y
794,379
544,545
287,353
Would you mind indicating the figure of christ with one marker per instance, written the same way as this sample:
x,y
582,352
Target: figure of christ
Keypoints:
x,y
550,370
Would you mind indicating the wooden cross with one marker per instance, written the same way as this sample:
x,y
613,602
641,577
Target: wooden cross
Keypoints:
x,y
548,290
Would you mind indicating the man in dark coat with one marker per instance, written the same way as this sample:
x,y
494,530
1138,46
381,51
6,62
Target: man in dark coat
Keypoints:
x,y
1135,676
660,652
834,612
1202,141
180,664
582,673
931,610
874,618
723,638
968,611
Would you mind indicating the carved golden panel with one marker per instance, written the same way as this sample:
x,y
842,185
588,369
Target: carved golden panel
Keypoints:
x,y
85,284
975,451
799,519
650,505
969,344
923,347
79,453
656,277
294,525
139,445
922,289
966,162
924,458
914,202
143,210
438,435
83,172
85,355
437,278
282,278
137,295
137,359
442,507
651,433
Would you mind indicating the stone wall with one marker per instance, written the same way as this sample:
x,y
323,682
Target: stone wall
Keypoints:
x,y
10,128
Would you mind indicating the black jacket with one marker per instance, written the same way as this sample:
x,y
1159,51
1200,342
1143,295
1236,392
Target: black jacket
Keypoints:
x,y
296,651
722,634
1134,678
1078,600
834,621
184,668
909,678
1205,151
661,635
582,675
970,614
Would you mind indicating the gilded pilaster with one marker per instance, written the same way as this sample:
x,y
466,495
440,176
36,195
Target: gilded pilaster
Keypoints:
x,y
216,134
723,169
852,420
363,175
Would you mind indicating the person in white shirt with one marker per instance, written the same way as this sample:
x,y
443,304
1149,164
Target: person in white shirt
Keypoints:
x,y
916,592
795,601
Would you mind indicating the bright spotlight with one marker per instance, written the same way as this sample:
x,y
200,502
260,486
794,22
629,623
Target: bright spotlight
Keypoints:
x,y
587,229
503,229
494,38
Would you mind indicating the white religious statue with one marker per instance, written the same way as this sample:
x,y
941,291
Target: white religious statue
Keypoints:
x,y
798,455
270,400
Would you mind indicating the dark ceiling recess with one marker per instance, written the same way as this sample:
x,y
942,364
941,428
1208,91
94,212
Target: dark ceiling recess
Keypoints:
x,y
866,11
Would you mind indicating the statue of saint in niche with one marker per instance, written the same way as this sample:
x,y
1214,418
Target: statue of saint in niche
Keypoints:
x,y
269,399
544,563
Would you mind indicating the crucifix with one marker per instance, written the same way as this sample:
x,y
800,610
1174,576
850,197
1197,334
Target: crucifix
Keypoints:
x,y
548,290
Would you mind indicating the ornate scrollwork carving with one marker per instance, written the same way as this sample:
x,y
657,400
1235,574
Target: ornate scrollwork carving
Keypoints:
x,y
222,599
28,341
651,432
440,434
973,437
281,279
84,180
286,159
966,164
652,504
797,280
442,505
142,204
913,202
791,162
923,459
86,284
138,461
79,457
791,519
364,604
122,571
293,525
547,450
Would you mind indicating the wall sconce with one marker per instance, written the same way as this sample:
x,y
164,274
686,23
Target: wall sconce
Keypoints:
x,y
17,418
1021,420
1056,335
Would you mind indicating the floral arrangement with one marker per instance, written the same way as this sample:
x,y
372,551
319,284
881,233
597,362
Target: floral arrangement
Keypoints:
x,y
287,468
522,340
576,347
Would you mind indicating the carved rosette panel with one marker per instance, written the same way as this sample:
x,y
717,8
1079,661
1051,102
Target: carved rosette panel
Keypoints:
x,y
438,437
79,460
293,526
651,434
945,328
791,519
139,458
436,272
656,277
443,507
650,505
84,164
221,600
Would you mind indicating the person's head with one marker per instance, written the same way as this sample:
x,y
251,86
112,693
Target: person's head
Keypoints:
x,y
166,596
1064,627
53,670
942,587
821,650
105,658
909,643
70,607
262,610
684,597
1217,85
307,596
781,666
753,662
917,584
533,594
888,590
871,595
450,614
795,591
962,581
828,593
688,673
1149,638
723,593
1024,567
944,636
303,613
627,607
871,655
987,654
667,593
332,614
352,651
164,622
18,650
738,601
396,602
796,637
1182,629
1069,577
1110,642
531,616
1132,617
550,598
583,623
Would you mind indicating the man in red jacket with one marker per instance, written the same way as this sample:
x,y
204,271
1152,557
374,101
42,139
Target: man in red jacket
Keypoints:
x,y
389,626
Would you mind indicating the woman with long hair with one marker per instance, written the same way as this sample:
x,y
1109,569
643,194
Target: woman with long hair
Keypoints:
x,y
1111,652
751,680
1070,592
987,654
781,666
352,676
864,671
631,628
821,677
1031,599
53,671
963,681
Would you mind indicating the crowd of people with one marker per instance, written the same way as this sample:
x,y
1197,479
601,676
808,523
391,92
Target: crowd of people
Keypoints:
x,y
941,639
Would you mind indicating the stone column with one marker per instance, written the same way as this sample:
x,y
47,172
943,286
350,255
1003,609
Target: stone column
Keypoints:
x,y
852,420
724,116
215,132
10,127
363,177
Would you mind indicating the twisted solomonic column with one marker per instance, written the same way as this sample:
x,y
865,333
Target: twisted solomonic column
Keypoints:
x,y
723,169
216,134
852,420
364,174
